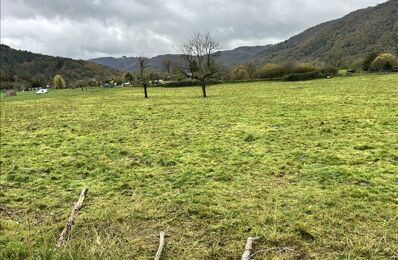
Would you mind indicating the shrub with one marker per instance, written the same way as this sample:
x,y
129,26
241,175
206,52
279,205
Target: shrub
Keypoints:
x,y
274,71
329,70
59,82
369,59
239,73
304,76
280,70
128,77
251,69
11,92
384,62
277,71
304,68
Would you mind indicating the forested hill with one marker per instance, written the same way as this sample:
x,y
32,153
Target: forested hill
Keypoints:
x,y
24,69
354,36
374,29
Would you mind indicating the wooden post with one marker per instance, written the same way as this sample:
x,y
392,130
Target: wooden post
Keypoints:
x,y
248,247
68,227
161,245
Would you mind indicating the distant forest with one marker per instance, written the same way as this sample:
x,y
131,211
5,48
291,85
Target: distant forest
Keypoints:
x,y
24,69
365,40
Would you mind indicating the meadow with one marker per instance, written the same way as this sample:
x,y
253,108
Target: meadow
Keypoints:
x,y
310,167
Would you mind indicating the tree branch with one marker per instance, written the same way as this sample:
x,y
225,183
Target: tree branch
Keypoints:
x,y
68,227
161,245
248,247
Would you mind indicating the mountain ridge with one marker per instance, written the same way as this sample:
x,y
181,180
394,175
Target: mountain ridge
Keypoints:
x,y
354,36
227,58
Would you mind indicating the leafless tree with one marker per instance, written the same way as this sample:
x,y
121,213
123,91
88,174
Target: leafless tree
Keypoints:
x,y
251,69
335,58
167,66
199,59
143,64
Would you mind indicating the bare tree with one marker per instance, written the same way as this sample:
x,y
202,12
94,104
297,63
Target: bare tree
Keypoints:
x,y
143,64
167,66
199,59
251,69
335,58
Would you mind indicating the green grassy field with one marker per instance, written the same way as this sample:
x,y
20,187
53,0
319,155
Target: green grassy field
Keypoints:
x,y
311,167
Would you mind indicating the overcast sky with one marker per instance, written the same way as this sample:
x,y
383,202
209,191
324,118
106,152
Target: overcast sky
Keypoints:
x,y
94,28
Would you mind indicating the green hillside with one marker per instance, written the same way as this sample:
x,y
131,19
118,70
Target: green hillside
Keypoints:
x,y
353,36
24,69
374,29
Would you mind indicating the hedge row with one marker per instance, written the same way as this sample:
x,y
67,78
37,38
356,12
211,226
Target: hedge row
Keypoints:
x,y
305,76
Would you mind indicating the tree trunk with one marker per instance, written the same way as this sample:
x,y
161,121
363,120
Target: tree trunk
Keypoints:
x,y
145,92
203,87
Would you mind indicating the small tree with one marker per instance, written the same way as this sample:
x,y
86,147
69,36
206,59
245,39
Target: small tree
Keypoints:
x,y
128,77
59,82
335,58
384,62
176,73
143,64
239,72
37,82
251,69
199,59
153,76
167,67
368,60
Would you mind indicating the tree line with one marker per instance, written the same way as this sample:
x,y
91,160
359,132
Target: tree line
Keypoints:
x,y
198,65
23,70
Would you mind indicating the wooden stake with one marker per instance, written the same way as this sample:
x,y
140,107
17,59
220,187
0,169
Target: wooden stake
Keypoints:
x,y
248,247
68,227
161,245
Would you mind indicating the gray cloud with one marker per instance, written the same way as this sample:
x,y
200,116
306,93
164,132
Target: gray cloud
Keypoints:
x,y
92,28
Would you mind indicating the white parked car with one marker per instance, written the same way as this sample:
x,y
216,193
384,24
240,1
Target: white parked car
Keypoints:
x,y
42,91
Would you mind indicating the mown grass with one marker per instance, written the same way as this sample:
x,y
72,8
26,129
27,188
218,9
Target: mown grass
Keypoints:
x,y
311,166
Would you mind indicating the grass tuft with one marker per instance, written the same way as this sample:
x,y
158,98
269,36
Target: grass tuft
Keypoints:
x,y
313,172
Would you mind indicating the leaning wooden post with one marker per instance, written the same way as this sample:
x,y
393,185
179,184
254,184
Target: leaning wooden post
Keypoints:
x,y
161,245
248,247
79,204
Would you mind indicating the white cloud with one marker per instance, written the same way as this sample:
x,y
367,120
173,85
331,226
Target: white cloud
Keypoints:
x,y
92,28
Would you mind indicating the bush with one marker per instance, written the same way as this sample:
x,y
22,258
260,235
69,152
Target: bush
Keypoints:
x,y
59,82
239,73
280,70
329,70
274,71
368,60
11,92
384,62
304,76
304,68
